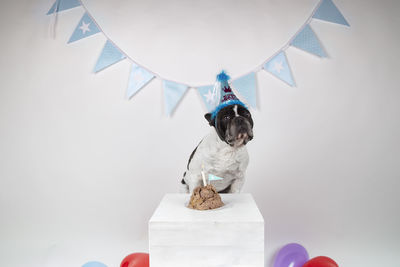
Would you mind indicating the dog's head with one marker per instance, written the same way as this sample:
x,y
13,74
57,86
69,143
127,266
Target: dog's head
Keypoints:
x,y
233,124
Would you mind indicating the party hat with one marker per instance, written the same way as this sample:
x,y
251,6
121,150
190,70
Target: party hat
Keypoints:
x,y
225,93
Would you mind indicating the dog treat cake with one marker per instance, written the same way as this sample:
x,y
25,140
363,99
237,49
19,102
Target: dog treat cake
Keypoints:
x,y
205,198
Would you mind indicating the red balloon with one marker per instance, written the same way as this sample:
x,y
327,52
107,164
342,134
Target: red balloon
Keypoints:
x,y
136,260
321,261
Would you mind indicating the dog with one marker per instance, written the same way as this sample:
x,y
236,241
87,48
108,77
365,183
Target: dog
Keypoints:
x,y
223,151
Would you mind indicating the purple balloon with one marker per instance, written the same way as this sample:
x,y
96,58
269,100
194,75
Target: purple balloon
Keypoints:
x,y
291,255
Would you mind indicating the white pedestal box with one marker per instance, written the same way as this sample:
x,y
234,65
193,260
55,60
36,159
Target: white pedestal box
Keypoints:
x,y
230,236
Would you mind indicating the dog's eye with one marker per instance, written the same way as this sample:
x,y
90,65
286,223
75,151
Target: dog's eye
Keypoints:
x,y
226,117
247,115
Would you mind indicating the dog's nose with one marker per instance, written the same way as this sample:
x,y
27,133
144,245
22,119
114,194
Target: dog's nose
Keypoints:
x,y
242,136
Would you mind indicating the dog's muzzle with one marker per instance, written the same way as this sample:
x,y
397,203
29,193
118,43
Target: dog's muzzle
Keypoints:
x,y
239,132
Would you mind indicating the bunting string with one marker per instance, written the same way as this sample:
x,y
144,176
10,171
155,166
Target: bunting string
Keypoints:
x,y
277,64
53,24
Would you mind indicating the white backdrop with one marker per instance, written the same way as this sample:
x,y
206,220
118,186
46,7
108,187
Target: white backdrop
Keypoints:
x,y
82,169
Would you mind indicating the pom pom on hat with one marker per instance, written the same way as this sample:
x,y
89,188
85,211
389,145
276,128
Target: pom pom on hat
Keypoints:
x,y
223,77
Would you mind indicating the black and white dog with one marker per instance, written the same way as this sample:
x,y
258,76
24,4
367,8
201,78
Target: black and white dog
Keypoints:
x,y
222,152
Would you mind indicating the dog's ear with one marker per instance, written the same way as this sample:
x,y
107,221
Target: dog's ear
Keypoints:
x,y
208,118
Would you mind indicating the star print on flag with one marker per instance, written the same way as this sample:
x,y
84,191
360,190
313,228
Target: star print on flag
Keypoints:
x,y
206,94
138,78
279,67
85,28
209,96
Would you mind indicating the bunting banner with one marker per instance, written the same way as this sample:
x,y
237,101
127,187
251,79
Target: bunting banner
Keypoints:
x,y
86,27
279,67
328,11
207,94
61,5
246,87
246,84
138,78
109,55
173,93
308,41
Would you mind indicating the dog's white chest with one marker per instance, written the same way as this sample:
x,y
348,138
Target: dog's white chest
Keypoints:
x,y
224,162
218,158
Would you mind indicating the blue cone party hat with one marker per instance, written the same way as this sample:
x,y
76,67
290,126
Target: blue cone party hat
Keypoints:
x,y
225,93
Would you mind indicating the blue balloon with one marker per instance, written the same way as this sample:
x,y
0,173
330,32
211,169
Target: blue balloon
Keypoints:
x,y
291,255
94,264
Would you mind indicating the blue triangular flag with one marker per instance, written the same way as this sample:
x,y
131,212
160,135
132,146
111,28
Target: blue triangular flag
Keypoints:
x,y
138,78
85,28
329,12
108,56
63,5
308,41
173,93
208,97
279,67
246,86
212,177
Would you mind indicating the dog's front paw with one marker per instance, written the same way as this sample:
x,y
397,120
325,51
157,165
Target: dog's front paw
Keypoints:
x,y
236,186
